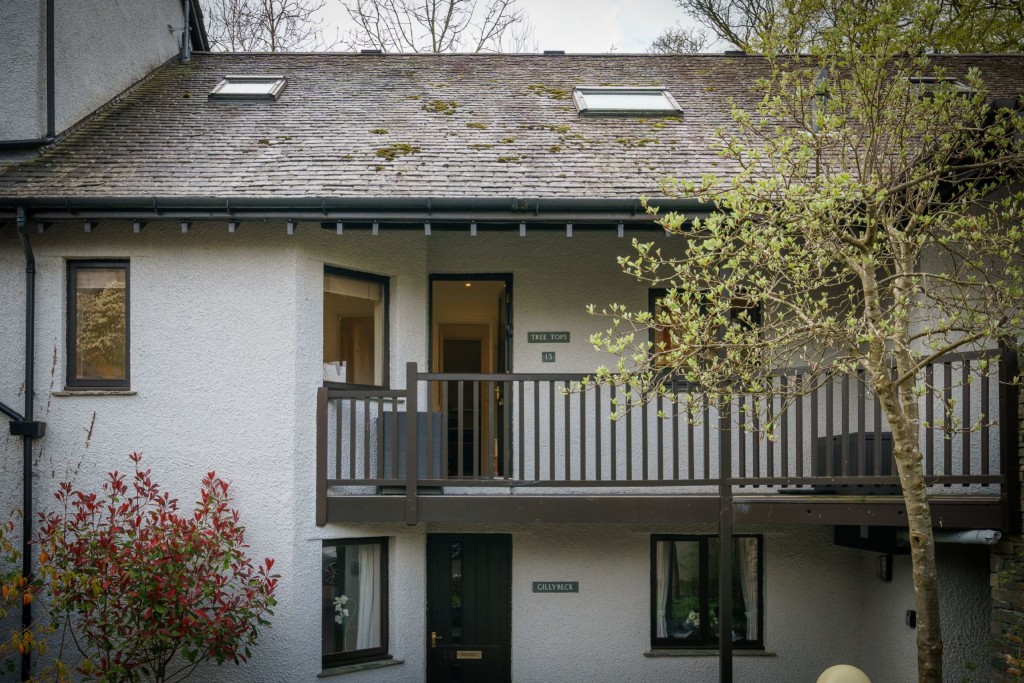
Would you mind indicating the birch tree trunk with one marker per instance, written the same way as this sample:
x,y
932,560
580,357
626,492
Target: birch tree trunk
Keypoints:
x,y
900,408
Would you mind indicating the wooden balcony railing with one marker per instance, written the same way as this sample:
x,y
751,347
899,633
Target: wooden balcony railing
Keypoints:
x,y
525,430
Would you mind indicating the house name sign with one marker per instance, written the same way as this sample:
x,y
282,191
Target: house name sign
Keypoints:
x,y
556,586
547,337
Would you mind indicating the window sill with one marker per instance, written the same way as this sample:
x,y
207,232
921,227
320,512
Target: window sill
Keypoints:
x,y
706,653
95,392
362,666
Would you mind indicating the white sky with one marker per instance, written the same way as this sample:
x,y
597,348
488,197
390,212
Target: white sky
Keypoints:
x,y
579,25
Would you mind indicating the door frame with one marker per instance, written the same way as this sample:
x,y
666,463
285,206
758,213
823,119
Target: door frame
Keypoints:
x,y
449,537
469,277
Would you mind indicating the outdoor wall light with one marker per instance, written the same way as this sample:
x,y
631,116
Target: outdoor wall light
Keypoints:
x,y
375,229
426,229
137,226
232,226
89,226
472,229
185,225
622,229
522,229
568,229
341,228
291,227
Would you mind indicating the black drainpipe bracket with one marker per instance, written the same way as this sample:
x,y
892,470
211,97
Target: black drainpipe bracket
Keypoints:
x,y
33,429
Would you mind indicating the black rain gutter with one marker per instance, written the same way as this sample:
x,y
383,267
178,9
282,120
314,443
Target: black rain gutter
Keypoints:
x,y
439,209
27,429
34,143
51,98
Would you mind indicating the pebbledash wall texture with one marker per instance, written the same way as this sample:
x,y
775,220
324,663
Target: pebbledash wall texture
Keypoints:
x,y
143,35
1007,582
226,354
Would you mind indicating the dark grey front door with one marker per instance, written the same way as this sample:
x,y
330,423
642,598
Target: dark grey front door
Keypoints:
x,y
469,608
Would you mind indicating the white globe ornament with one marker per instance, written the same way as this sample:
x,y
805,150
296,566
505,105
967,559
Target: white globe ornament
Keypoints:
x,y
843,673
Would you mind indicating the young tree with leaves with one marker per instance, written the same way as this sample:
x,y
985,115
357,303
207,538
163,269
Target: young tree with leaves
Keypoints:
x,y
875,221
950,25
439,25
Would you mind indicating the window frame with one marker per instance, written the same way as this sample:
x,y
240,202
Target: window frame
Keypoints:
x,y
579,97
277,87
385,286
927,84
655,294
337,659
711,643
71,381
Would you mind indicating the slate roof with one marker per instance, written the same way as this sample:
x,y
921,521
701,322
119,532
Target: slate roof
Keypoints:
x,y
514,131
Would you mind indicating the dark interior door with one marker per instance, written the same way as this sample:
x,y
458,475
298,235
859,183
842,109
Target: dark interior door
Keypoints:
x,y
462,356
469,608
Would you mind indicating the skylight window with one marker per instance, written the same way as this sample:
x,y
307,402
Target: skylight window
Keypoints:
x,y
248,88
610,101
928,84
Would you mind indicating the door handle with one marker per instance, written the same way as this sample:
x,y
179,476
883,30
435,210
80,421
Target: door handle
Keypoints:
x,y
434,638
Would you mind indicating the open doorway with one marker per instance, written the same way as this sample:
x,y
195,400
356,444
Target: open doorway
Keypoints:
x,y
470,334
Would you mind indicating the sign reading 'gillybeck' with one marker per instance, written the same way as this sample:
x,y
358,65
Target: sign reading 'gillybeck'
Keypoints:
x,y
547,337
556,586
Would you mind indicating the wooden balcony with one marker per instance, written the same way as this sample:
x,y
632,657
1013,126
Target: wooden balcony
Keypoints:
x,y
520,447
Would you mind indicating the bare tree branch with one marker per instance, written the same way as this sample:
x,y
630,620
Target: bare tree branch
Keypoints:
x,y
267,25
439,26
680,40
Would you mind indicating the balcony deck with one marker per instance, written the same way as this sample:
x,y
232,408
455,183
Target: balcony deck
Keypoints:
x,y
518,448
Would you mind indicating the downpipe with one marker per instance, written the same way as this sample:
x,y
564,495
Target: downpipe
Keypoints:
x,y
27,432
186,45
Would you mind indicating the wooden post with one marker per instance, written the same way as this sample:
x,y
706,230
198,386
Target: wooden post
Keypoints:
x,y
725,542
411,420
321,456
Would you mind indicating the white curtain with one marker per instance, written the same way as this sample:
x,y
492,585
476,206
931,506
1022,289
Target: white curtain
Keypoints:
x,y
662,569
368,607
747,555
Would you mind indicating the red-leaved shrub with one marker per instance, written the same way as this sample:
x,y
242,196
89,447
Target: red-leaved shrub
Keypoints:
x,y
148,592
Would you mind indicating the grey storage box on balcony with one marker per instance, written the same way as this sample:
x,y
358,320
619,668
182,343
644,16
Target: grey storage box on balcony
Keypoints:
x,y
879,463
392,463
874,463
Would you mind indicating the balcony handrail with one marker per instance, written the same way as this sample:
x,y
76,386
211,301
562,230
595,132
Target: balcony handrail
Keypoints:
x,y
834,437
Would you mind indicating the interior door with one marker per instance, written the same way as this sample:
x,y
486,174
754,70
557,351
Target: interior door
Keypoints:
x,y
469,608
